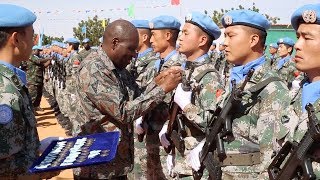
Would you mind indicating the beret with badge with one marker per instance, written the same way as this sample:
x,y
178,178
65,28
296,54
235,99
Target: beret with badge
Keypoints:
x,y
141,24
165,22
86,40
309,14
286,40
72,40
205,23
245,18
37,48
274,45
15,16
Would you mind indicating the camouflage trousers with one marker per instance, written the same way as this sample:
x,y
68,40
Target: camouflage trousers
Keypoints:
x,y
70,100
35,91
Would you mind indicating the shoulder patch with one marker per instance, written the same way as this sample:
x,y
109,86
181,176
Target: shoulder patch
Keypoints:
x,y
6,114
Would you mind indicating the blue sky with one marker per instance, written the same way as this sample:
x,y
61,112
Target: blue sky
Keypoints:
x,y
57,17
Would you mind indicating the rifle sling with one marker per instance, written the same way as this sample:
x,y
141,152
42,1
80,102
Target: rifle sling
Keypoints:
x,y
259,86
202,74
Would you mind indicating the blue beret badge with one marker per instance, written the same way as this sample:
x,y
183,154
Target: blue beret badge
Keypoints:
x,y
309,16
6,114
151,25
189,17
228,19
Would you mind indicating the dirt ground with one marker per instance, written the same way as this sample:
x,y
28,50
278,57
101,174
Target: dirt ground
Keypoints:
x,y
47,125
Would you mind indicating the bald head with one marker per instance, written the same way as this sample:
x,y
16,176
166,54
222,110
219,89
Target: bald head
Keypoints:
x,y
121,29
120,41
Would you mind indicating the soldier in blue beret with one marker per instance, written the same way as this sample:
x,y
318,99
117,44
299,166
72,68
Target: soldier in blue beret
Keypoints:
x,y
285,65
36,66
86,51
249,151
195,40
140,69
164,34
273,49
19,138
306,21
213,53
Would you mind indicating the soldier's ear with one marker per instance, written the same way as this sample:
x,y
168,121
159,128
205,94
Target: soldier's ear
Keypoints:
x,y
115,43
203,40
144,37
254,40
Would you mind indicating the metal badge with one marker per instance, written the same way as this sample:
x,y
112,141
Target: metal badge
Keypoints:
x,y
189,17
309,16
151,25
280,40
228,20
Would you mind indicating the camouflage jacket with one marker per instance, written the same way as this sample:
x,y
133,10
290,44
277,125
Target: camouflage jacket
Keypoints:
x,y
71,67
286,72
35,70
84,53
255,120
206,92
298,124
19,140
139,67
106,92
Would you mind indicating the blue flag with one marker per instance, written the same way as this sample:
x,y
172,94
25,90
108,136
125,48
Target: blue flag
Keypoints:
x,y
83,29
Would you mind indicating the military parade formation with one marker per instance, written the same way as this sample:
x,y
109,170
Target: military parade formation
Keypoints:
x,y
186,106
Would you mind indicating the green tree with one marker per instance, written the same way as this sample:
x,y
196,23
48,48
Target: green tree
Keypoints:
x,y
217,15
94,30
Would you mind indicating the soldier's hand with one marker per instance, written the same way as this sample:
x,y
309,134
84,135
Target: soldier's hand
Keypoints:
x,y
169,79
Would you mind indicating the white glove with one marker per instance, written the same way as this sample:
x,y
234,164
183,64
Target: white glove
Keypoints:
x,y
170,163
44,143
193,158
52,62
139,124
162,136
181,97
295,84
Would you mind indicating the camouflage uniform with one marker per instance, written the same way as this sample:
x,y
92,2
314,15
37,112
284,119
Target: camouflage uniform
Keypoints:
x,y
298,124
106,92
213,55
156,156
70,91
206,93
286,71
139,67
35,79
84,53
254,127
19,140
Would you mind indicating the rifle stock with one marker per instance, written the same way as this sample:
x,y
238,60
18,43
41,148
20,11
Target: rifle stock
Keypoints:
x,y
298,155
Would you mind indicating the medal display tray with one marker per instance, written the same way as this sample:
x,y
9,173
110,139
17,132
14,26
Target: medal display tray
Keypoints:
x,y
79,151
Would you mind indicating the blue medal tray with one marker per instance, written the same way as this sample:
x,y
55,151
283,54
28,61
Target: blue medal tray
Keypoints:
x,y
102,141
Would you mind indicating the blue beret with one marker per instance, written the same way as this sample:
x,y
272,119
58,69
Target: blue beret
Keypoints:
x,y
274,45
36,47
143,24
245,18
286,40
309,13
205,23
165,22
15,16
86,40
72,40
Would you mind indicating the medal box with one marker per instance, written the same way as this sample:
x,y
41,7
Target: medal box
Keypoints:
x,y
79,151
